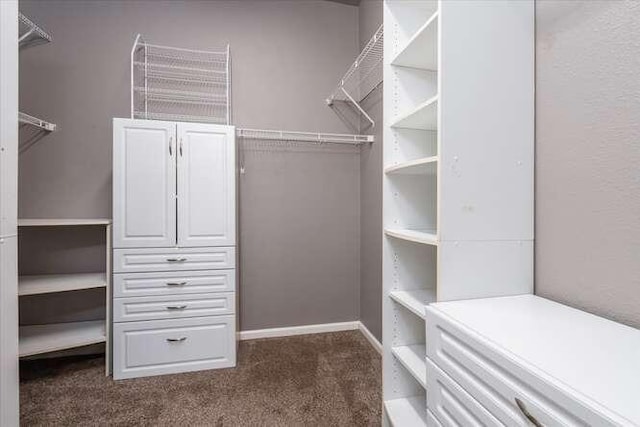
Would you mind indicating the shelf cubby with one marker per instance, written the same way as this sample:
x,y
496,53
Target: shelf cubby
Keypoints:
x,y
51,283
424,116
421,51
413,358
407,411
422,166
39,339
414,300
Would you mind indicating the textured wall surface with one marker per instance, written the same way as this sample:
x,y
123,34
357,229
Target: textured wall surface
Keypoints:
x,y
588,156
299,222
370,18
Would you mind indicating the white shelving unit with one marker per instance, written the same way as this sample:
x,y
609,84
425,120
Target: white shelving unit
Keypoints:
x,y
46,338
458,172
177,84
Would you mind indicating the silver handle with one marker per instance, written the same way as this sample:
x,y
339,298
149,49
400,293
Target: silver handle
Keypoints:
x,y
176,307
176,259
180,147
176,283
527,414
181,339
170,145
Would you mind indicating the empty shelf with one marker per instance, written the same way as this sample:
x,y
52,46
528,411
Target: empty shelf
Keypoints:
x,y
421,51
415,300
424,166
427,237
26,119
407,412
61,222
424,116
413,357
37,339
49,283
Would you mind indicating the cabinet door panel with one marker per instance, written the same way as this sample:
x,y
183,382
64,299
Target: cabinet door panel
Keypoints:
x,y
144,183
206,185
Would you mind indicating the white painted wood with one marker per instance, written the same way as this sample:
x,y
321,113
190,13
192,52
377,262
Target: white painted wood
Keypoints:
x,y
173,259
486,120
49,283
298,330
414,300
206,185
422,166
424,116
421,51
377,345
61,222
407,412
37,339
567,366
484,269
9,397
172,306
173,283
144,183
452,404
426,237
412,357
432,421
160,347
108,296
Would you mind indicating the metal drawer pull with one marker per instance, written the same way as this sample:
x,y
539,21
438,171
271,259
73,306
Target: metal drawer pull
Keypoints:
x,y
181,339
527,414
176,283
176,259
176,307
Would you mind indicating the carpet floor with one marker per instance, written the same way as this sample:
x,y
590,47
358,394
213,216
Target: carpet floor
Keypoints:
x,y
329,379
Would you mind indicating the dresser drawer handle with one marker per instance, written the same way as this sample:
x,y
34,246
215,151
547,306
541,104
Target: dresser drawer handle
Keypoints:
x,y
176,283
181,339
527,414
176,259
176,307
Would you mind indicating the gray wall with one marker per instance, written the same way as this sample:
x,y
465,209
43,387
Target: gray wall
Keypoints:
x,y
588,156
370,18
300,208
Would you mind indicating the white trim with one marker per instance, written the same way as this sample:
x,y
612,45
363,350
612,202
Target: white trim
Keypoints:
x,y
299,330
377,345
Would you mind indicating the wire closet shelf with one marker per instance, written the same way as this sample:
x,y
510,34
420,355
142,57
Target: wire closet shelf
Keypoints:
x,y
30,34
362,77
294,136
171,83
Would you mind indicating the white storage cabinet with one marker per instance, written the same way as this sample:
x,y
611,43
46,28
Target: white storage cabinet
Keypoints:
x,y
174,259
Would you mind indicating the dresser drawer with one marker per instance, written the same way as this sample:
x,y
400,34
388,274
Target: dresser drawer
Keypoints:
x,y
173,283
160,347
172,306
173,259
495,379
452,405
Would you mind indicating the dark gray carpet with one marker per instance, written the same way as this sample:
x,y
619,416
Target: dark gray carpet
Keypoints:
x,y
312,380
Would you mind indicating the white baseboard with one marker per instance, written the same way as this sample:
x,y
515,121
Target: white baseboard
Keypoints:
x,y
370,337
299,330
312,329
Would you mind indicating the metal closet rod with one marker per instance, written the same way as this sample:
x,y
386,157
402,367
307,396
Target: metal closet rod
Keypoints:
x,y
317,138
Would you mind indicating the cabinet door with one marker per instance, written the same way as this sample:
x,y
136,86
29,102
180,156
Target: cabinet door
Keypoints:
x,y
144,183
206,185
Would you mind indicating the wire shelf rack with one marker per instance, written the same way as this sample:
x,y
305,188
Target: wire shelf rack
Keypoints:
x,y
171,83
295,136
362,77
30,34
26,119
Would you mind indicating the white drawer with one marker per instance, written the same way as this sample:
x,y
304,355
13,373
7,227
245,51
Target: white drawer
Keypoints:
x,y
172,306
496,379
173,283
173,259
451,404
160,347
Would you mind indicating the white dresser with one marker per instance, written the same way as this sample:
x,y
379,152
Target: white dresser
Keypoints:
x,y
174,238
525,360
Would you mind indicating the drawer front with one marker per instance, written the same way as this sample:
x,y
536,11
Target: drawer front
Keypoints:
x,y
173,259
171,346
173,283
432,421
172,306
495,379
453,406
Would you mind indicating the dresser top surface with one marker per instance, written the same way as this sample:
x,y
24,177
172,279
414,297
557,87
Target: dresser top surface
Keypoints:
x,y
595,357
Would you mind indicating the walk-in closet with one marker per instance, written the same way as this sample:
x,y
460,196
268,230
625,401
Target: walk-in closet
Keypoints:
x,y
319,213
